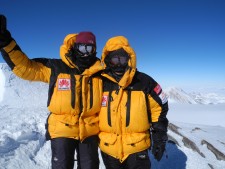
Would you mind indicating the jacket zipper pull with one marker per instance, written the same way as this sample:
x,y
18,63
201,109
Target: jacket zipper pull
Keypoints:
x,y
117,90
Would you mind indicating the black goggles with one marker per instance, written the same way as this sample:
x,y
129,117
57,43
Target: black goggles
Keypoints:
x,y
118,60
85,49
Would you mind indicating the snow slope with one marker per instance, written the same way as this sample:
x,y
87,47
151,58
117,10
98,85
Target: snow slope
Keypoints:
x,y
200,96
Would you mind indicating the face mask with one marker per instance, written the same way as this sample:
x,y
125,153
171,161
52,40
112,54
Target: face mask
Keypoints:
x,y
85,62
81,61
118,64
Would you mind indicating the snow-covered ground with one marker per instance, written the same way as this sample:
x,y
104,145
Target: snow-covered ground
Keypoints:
x,y
196,131
2,84
212,115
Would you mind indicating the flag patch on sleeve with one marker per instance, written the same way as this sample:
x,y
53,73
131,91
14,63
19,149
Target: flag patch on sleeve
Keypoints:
x,y
163,97
157,89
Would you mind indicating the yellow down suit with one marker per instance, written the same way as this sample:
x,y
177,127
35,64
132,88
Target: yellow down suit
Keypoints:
x,y
129,107
74,99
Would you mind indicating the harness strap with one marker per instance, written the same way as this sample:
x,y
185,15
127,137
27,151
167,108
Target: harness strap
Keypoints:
x,y
53,80
81,102
108,109
148,108
73,94
128,107
91,91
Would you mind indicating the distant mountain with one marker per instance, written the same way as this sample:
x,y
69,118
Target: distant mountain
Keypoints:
x,y
208,98
178,95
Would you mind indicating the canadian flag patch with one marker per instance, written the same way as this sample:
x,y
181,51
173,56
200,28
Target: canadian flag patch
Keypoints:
x,y
157,89
104,101
64,84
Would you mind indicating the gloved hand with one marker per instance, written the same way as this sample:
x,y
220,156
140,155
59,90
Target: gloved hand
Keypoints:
x,y
159,144
5,36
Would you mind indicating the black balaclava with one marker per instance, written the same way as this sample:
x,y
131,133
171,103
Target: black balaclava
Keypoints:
x,y
81,62
116,71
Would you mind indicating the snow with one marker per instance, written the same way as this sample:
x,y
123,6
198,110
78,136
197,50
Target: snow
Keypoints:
x,y
212,115
199,96
24,112
2,83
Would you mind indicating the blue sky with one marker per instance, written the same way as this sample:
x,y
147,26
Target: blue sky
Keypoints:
x,y
177,42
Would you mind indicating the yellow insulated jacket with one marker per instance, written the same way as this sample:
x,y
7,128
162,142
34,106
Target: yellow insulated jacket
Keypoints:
x,y
74,112
129,107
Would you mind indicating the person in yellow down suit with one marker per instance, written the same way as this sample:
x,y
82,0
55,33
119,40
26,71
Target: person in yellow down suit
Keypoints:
x,y
132,103
73,82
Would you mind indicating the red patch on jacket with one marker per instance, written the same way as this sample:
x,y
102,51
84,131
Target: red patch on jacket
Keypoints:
x,y
157,89
104,101
64,84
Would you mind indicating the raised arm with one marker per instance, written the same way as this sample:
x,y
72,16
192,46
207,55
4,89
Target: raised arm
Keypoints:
x,y
21,65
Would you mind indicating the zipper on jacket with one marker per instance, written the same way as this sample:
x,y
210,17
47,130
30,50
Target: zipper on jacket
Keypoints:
x,y
117,90
108,109
90,82
128,107
81,102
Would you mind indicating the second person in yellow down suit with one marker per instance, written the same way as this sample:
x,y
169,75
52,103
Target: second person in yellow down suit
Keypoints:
x,y
132,103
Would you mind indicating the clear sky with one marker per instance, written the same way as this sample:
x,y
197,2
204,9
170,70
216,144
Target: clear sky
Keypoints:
x,y
177,42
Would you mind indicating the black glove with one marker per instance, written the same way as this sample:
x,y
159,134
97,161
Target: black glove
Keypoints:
x,y
159,143
5,36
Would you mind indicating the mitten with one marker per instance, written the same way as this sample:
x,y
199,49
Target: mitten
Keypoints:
x,y
5,36
159,143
